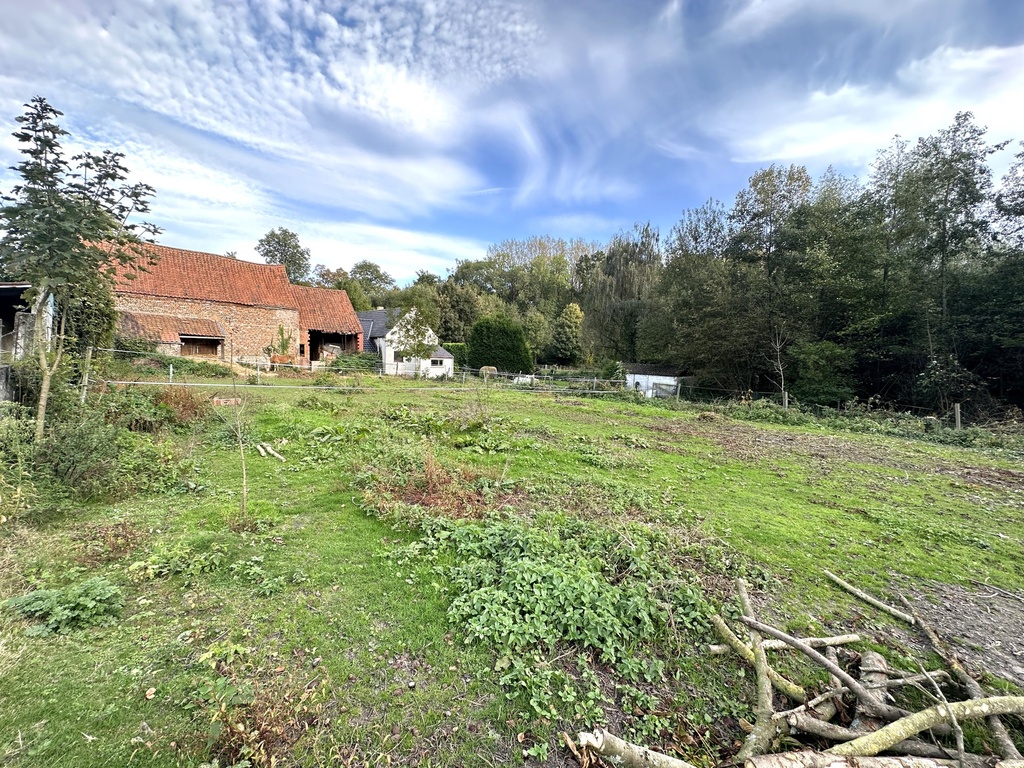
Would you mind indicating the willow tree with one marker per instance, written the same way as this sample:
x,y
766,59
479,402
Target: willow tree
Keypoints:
x,y
66,226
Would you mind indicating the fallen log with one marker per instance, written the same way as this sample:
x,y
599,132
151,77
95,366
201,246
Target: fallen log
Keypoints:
x,y
809,759
874,673
771,644
272,452
628,755
884,738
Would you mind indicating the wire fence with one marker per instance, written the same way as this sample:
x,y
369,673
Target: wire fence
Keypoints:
x,y
259,372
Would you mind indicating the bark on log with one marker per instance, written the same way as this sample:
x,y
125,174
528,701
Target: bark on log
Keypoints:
x,y
628,755
761,737
884,738
771,644
782,685
809,759
804,722
874,673
870,600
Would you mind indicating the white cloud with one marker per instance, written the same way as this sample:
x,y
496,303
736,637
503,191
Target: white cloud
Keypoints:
x,y
849,124
757,17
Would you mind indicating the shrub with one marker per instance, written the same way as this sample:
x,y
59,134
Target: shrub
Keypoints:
x,y
501,342
93,602
93,459
361,361
184,404
325,379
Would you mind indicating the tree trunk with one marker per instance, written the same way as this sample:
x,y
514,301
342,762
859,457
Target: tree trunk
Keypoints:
x,y
46,370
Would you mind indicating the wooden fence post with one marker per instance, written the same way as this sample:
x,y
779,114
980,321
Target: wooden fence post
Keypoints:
x,y
956,414
85,374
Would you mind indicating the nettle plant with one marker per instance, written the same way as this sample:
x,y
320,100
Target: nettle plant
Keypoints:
x,y
560,598
93,602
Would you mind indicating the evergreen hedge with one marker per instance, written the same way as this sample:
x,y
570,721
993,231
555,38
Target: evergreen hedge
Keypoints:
x,y
501,342
460,351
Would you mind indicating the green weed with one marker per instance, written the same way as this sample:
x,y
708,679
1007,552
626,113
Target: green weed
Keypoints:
x,y
91,603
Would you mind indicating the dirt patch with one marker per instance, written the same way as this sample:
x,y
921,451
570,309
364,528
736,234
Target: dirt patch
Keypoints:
x,y
754,443
748,442
990,477
984,626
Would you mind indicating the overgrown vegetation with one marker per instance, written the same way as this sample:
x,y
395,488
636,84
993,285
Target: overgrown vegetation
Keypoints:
x,y
93,602
436,575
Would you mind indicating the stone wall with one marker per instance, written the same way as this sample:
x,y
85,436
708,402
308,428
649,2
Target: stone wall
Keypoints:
x,y
247,330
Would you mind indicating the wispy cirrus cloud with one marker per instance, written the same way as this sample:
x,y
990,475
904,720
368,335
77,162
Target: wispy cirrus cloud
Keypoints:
x,y
405,120
849,124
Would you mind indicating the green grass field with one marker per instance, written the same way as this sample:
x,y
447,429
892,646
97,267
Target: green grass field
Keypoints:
x,y
449,576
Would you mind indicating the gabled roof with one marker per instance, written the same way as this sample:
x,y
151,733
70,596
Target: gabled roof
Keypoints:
x,y
181,274
166,328
442,354
376,324
326,310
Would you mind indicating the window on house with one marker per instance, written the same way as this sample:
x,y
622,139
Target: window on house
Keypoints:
x,y
302,350
436,362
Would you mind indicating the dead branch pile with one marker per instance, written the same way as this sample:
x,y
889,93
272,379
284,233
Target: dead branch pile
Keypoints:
x,y
929,738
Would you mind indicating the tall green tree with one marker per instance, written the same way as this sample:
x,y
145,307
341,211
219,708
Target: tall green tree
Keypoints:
x,y
339,280
567,336
282,246
617,291
67,223
375,281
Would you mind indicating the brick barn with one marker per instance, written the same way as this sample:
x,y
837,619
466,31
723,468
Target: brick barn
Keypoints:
x,y
205,305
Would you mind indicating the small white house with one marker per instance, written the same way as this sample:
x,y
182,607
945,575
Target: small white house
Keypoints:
x,y
652,380
387,331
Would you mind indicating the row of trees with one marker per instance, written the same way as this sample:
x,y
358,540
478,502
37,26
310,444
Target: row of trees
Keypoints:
x,y
908,285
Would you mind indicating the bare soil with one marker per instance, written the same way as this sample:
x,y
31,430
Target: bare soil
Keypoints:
x,y
985,627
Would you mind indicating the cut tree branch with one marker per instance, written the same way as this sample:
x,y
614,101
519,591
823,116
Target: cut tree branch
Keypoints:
x,y
771,644
870,600
628,755
866,697
761,737
782,685
884,738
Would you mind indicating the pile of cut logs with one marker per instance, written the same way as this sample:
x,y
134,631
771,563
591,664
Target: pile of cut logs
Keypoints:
x,y
878,726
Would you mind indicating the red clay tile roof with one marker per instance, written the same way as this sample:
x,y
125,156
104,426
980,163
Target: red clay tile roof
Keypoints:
x,y
326,310
165,328
181,274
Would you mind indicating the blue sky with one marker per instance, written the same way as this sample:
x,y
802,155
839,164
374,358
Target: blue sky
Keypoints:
x,y
416,133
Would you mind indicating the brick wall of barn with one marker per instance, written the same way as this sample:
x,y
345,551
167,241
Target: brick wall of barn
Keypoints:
x,y
247,330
